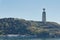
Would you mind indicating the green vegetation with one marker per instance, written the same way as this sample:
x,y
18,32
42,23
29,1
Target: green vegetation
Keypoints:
x,y
25,27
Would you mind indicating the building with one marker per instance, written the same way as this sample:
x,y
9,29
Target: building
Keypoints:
x,y
44,16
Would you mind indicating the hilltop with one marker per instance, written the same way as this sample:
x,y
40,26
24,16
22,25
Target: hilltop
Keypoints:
x,y
27,27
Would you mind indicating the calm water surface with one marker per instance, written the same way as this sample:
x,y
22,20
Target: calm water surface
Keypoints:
x,y
17,38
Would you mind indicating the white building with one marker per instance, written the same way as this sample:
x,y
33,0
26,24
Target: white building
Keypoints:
x,y
44,16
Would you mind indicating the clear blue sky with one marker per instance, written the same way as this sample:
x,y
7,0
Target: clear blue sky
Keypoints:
x,y
30,9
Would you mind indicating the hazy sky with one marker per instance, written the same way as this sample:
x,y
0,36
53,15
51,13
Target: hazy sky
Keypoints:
x,y
30,9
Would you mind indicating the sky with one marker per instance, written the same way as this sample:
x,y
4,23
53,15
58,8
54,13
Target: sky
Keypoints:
x,y
30,9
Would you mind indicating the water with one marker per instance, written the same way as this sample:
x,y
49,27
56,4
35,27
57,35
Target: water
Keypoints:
x,y
17,38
